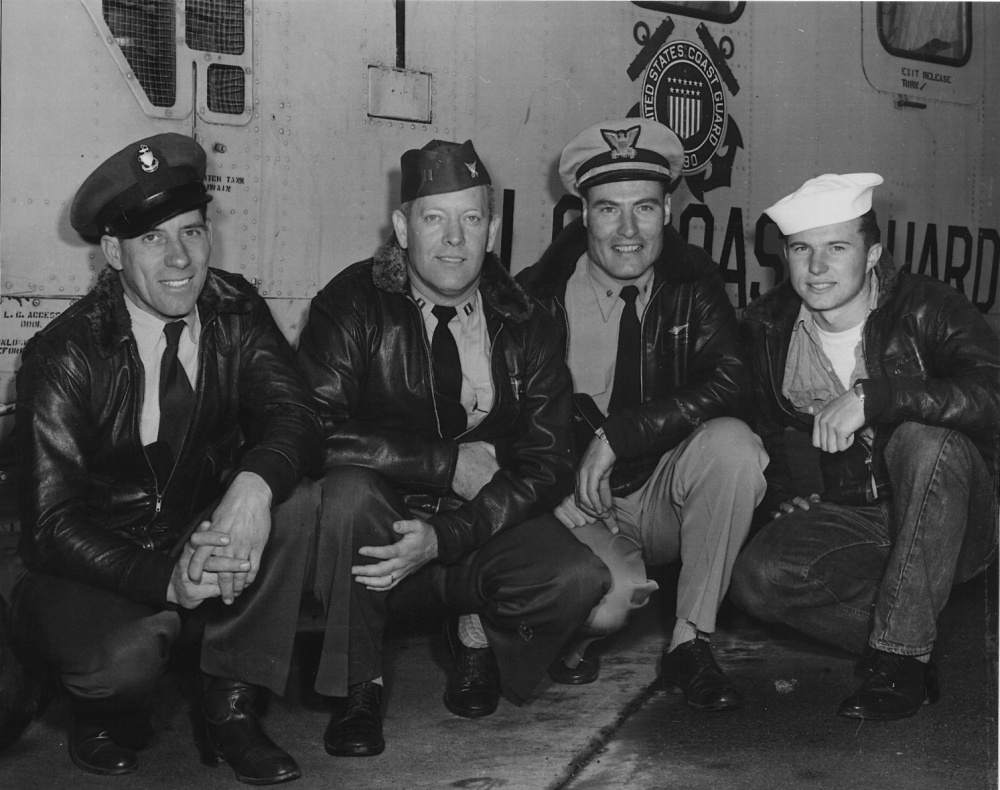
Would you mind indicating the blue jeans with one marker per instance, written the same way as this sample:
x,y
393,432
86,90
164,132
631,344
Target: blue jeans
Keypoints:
x,y
880,575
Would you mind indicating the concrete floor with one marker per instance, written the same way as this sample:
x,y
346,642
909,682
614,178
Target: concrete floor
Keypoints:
x,y
622,731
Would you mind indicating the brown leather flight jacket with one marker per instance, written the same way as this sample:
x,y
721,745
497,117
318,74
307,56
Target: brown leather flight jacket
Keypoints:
x,y
96,506
931,358
365,353
694,368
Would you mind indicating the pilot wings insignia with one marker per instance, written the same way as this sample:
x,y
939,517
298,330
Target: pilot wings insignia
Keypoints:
x,y
622,144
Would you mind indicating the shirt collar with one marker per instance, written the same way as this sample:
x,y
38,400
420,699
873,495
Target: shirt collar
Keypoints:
x,y
465,310
607,289
147,329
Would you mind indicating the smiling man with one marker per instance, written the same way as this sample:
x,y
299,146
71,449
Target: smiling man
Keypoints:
x,y
894,379
160,419
665,467
445,404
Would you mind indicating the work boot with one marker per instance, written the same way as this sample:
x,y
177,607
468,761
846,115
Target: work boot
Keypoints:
x,y
232,732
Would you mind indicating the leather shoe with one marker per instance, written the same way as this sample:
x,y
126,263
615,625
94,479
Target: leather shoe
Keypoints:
x,y
92,748
473,687
690,669
232,732
866,665
896,688
587,671
355,728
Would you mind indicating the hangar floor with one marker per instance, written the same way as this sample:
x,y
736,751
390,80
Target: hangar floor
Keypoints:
x,y
622,731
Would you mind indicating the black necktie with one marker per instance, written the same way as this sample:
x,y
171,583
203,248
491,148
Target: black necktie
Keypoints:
x,y
447,373
176,395
627,388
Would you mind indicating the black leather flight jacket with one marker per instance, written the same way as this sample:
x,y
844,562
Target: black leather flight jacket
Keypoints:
x,y
365,353
95,506
694,368
931,358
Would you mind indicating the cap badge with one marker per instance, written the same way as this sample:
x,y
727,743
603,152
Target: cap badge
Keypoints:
x,y
472,169
622,144
147,160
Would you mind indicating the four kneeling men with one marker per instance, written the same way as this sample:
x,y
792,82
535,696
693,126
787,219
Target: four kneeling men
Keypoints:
x,y
511,453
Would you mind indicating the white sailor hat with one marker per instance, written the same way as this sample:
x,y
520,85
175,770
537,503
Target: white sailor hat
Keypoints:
x,y
630,149
824,200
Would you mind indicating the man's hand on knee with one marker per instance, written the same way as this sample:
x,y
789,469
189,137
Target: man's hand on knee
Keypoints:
x,y
798,503
417,546
570,516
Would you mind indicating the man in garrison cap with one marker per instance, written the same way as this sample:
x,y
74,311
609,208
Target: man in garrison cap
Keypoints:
x,y
160,420
891,380
666,470
445,404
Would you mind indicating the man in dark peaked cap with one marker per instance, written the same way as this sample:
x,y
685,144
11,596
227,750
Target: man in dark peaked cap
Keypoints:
x,y
445,405
666,469
160,419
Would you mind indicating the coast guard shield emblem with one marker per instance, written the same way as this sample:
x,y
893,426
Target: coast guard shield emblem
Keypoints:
x,y
683,90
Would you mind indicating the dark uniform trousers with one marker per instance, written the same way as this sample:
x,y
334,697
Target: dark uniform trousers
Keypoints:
x,y
532,584
110,651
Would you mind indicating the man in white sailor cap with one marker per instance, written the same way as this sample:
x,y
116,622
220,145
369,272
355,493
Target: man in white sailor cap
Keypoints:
x,y
665,469
894,379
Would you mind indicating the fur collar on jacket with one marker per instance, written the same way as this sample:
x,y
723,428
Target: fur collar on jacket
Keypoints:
x,y
781,303
497,287
109,319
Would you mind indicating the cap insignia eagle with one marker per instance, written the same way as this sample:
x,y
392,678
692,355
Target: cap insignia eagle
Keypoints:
x,y
621,143
472,169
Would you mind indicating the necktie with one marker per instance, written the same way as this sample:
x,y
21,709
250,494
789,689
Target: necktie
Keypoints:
x,y
627,388
447,374
176,395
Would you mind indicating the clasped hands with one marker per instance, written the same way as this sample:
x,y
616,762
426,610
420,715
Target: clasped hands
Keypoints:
x,y
222,556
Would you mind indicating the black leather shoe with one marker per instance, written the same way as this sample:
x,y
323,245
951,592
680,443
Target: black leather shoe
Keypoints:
x,y
233,733
473,687
92,749
587,671
355,728
690,669
866,665
896,688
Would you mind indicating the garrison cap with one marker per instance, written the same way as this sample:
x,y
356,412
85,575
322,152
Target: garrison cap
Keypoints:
x,y
824,200
439,167
144,184
630,149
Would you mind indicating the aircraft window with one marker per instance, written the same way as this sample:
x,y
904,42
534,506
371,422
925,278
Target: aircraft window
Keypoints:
x,y
712,10
215,25
145,34
226,89
931,32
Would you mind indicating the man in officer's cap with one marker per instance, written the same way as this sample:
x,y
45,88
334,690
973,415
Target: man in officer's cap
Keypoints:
x,y
160,419
894,379
664,468
445,404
